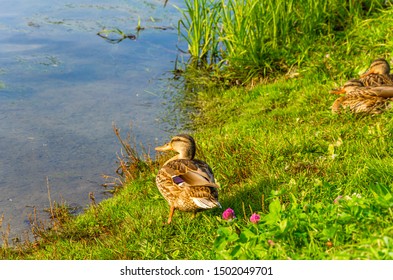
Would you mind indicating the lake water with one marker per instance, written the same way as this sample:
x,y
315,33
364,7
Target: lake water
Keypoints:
x,y
62,87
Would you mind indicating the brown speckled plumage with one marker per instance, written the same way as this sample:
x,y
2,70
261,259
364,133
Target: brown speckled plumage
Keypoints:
x,y
378,74
360,99
186,183
358,104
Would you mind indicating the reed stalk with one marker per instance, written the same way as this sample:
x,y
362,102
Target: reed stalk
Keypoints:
x,y
199,27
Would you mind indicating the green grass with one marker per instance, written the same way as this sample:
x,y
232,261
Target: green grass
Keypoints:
x,y
276,150
288,148
128,226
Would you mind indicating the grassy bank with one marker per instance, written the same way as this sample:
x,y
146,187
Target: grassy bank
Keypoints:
x,y
321,183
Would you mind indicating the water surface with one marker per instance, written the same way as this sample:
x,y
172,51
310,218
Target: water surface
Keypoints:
x,y
64,87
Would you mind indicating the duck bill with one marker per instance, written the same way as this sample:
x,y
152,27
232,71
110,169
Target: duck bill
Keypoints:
x,y
338,91
163,148
366,74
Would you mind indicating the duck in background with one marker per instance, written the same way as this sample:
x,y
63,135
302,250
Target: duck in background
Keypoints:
x,y
361,99
378,74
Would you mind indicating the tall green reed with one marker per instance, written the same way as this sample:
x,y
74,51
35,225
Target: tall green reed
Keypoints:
x,y
260,37
199,27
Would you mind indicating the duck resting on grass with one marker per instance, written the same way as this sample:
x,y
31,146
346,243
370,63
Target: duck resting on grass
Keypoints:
x,y
360,99
378,74
185,182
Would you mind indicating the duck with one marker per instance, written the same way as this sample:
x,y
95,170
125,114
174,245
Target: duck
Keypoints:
x,y
378,74
361,99
186,183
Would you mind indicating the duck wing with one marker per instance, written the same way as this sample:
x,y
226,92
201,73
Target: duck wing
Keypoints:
x,y
205,197
190,172
185,179
375,80
384,91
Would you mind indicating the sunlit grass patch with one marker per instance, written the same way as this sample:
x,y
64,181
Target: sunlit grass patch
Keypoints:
x,y
339,229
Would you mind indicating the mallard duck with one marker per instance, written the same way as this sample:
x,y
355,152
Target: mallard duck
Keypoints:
x,y
378,74
185,182
348,87
360,99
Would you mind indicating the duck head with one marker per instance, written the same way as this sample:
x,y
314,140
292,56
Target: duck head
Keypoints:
x,y
379,66
183,144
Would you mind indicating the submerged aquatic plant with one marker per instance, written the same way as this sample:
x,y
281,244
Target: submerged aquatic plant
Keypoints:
x,y
115,36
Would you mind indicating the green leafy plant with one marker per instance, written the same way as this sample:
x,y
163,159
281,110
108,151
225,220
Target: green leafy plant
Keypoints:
x,y
315,230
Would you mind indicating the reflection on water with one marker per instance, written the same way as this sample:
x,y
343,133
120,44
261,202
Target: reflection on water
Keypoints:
x,y
64,86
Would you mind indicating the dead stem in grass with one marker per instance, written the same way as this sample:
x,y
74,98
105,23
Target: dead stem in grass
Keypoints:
x,y
131,163
59,213
4,233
